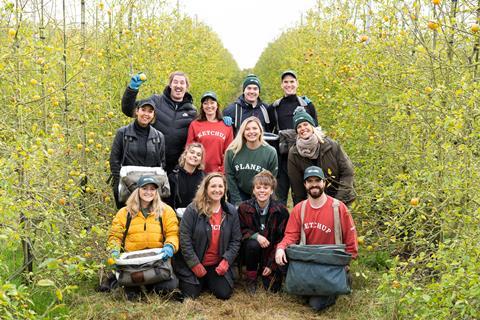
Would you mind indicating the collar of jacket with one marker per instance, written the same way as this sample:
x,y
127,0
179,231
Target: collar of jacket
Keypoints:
x,y
273,206
244,104
226,207
130,132
187,98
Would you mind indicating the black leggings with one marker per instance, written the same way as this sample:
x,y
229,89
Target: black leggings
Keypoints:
x,y
218,285
252,257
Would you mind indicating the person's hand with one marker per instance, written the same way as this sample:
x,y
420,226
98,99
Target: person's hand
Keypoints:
x,y
115,254
167,251
222,267
263,241
281,257
266,272
137,80
199,270
228,121
307,101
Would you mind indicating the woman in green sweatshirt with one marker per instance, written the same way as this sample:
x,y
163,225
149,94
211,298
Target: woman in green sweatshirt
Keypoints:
x,y
247,155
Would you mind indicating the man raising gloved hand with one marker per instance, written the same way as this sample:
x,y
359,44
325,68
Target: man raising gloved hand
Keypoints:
x,y
174,111
137,80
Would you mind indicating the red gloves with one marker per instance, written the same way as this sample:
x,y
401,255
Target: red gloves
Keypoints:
x,y
199,270
222,267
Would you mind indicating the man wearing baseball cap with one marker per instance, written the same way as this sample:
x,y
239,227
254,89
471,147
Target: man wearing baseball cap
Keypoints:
x,y
318,224
249,104
283,110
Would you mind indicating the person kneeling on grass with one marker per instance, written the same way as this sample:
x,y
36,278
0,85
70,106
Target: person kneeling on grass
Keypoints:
x,y
210,240
318,224
153,224
262,222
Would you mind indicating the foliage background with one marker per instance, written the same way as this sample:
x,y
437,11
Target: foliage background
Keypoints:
x,y
395,82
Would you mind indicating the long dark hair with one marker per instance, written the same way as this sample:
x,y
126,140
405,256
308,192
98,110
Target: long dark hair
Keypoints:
x,y
203,117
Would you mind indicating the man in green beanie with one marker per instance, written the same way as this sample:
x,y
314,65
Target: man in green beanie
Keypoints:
x,y
249,104
283,110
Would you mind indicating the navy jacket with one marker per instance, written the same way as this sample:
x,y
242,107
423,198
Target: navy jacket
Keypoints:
x,y
246,110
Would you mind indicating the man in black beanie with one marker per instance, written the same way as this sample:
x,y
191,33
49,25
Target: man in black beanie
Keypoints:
x,y
282,123
249,104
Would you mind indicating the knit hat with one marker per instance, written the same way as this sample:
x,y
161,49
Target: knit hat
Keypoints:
x,y
144,180
300,115
289,73
313,171
209,94
251,79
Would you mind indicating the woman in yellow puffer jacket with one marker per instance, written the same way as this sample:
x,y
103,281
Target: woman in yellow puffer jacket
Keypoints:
x,y
145,231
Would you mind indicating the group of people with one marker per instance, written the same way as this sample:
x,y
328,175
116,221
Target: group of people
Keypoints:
x,y
223,184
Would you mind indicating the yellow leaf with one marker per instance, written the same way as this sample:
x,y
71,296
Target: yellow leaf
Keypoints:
x,y
45,283
59,294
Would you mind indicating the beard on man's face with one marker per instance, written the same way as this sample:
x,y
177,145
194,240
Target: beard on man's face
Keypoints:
x,y
315,192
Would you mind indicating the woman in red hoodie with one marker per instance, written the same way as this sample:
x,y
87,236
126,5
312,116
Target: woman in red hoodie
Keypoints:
x,y
212,132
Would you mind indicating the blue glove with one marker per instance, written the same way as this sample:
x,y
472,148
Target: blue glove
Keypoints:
x,y
307,101
167,251
115,254
228,121
136,82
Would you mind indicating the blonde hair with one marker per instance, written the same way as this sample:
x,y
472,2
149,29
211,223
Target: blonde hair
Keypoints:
x,y
239,141
201,201
319,133
181,160
133,204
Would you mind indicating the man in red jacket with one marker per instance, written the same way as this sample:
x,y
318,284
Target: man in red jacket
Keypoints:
x,y
318,224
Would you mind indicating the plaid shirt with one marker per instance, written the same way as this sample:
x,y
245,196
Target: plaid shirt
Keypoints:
x,y
277,217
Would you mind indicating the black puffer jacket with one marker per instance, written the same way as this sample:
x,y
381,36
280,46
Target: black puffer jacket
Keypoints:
x,y
172,119
195,236
127,139
247,110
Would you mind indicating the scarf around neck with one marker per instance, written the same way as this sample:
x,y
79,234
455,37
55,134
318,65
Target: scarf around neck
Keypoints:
x,y
308,148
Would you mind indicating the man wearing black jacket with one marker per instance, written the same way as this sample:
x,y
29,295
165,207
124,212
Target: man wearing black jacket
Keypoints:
x,y
249,104
282,113
174,111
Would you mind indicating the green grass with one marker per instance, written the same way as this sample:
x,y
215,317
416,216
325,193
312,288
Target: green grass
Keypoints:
x,y
43,299
361,304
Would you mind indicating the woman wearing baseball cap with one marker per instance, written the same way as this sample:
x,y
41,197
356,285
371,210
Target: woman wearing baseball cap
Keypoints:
x,y
137,144
210,130
153,224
